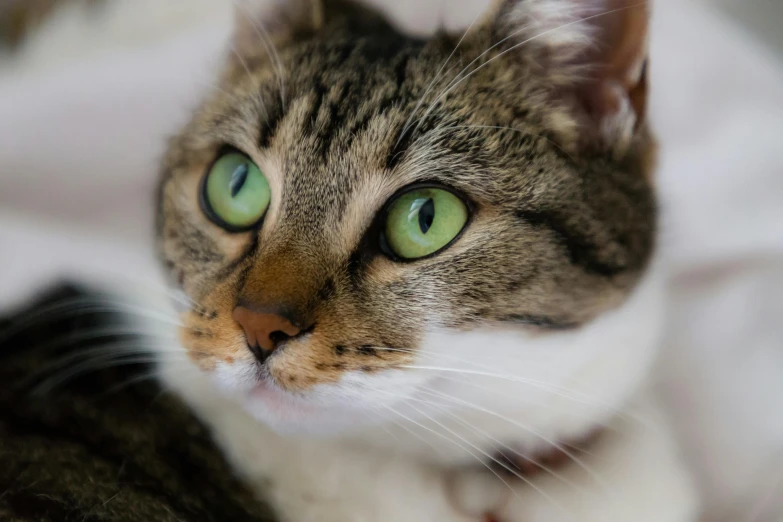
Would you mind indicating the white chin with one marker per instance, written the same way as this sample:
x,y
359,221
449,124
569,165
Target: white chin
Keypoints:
x,y
291,415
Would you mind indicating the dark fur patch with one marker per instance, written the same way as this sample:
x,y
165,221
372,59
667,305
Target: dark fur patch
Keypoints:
x,y
580,250
548,323
274,115
367,350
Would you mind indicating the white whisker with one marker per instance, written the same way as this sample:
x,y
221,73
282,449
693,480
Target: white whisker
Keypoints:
x,y
555,444
432,83
270,48
250,76
537,384
418,436
491,458
498,443
91,366
74,307
540,385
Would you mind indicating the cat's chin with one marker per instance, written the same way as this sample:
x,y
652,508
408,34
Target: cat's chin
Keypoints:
x,y
323,413
278,409
289,415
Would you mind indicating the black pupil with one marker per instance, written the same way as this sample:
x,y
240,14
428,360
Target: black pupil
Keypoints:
x,y
238,178
426,215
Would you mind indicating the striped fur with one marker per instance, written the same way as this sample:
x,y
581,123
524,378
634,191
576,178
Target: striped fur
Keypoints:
x,y
340,117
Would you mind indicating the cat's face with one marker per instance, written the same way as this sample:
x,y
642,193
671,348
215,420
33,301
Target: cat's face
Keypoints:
x,y
350,213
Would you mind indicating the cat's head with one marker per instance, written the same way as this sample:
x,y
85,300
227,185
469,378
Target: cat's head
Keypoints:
x,y
360,214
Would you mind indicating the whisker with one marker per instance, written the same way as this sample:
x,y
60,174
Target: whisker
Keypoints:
x,y
381,414
441,435
148,376
555,444
409,430
505,446
406,127
82,336
537,384
270,48
518,475
542,385
132,284
135,290
491,458
73,309
452,357
253,80
167,387
48,385
115,349
576,396
613,411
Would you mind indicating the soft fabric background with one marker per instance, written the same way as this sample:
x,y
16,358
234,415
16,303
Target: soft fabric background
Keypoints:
x,y
87,105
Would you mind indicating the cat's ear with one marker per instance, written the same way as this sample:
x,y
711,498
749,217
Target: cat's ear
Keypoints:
x,y
261,23
591,56
284,21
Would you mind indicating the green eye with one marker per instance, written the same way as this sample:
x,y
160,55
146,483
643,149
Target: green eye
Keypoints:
x,y
423,221
235,194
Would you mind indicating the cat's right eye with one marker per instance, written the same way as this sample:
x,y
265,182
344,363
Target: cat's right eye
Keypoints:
x,y
235,194
423,221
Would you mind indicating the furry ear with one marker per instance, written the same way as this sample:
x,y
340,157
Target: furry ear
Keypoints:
x,y
592,56
259,23
284,21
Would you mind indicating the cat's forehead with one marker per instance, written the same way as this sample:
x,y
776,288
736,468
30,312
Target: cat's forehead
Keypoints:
x,y
335,129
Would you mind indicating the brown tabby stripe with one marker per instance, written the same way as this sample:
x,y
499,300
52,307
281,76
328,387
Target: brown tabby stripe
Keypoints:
x,y
580,250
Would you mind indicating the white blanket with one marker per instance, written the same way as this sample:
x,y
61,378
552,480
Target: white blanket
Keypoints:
x,y
85,113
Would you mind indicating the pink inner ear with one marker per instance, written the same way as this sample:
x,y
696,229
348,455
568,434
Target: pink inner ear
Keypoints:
x,y
616,93
623,45
592,55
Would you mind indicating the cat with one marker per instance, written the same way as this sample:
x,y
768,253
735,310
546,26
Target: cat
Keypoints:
x,y
416,265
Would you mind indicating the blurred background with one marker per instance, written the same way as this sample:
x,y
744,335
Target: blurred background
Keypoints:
x,y
90,90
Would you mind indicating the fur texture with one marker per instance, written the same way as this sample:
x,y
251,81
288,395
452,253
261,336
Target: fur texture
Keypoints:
x,y
87,435
537,325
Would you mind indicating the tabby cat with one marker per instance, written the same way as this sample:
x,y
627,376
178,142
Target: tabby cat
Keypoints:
x,y
415,265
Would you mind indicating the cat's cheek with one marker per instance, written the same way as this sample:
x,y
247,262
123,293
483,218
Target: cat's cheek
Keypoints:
x,y
203,359
210,337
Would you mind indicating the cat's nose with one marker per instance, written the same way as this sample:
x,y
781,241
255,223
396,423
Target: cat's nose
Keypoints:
x,y
264,331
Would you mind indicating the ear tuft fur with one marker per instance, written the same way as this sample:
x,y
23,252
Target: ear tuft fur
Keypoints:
x,y
278,20
591,55
553,25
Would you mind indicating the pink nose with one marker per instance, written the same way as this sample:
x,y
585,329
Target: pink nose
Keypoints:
x,y
264,331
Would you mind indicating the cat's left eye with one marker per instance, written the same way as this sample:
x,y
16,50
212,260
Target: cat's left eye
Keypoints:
x,y
235,193
422,222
